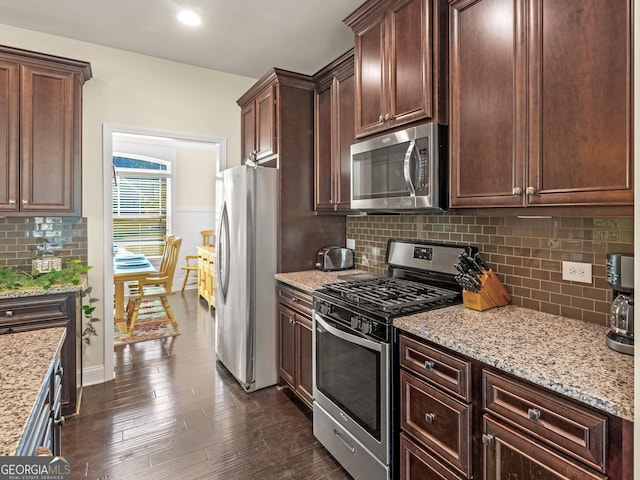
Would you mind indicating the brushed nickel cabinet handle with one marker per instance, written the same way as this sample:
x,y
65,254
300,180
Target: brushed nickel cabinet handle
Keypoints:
x,y
430,417
8,313
534,414
487,439
429,365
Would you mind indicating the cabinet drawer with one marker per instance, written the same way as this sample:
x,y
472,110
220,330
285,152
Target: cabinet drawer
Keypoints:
x,y
416,462
507,450
446,371
440,422
295,299
574,430
26,310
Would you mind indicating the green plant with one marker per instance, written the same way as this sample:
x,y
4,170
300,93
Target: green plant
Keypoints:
x,y
88,308
71,274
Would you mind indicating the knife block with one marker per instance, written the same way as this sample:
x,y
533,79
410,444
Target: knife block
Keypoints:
x,y
492,293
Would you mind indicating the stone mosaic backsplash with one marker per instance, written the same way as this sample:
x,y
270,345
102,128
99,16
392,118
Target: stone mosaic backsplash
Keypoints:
x,y
526,253
25,238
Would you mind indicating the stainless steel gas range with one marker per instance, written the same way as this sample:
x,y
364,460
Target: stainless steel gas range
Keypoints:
x,y
353,364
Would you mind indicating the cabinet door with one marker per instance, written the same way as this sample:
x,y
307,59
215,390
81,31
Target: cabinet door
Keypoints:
x,y
324,178
580,125
345,132
248,131
49,141
286,336
370,71
487,79
9,134
410,52
304,356
509,452
266,141
335,133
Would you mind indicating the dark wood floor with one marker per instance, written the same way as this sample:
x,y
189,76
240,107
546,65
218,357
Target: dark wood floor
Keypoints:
x,y
172,413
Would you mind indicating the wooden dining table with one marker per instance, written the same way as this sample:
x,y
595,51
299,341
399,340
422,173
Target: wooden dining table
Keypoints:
x,y
124,272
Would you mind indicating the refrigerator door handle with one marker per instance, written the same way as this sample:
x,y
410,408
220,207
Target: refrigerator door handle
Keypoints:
x,y
225,256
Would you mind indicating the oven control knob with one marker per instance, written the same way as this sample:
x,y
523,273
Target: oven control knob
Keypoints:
x,y
324,308
366,326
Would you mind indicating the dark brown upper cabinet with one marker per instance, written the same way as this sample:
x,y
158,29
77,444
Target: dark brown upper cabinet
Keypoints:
x,y
400,47
334,134
258,126
541,103
40,133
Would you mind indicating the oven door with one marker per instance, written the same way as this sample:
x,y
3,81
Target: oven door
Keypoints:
x,y
351,383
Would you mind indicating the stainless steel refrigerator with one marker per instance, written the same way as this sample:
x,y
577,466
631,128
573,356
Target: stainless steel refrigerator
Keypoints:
x,y
246,261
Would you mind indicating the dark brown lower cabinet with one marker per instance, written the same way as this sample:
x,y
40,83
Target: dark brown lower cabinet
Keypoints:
x,y
295,341
418,463
461,418
510,454
24,314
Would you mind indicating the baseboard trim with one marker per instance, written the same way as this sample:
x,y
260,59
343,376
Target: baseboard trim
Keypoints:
x,y
92,375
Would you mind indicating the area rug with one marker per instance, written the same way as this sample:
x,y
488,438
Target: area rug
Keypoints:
x,y
152,324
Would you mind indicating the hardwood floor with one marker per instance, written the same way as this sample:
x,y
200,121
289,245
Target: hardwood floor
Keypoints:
x,y
173,413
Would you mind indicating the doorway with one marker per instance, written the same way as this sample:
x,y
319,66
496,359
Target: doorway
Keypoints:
x,y
194,161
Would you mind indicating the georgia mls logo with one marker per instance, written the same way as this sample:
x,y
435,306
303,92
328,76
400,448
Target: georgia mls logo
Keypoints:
x,y
35,468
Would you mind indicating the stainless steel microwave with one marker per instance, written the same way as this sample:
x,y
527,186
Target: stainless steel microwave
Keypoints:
x,y
403,170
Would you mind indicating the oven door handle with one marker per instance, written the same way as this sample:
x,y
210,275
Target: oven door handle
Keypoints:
x,y
363,342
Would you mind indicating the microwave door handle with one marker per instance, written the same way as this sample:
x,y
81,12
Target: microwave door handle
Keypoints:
x,y
407,168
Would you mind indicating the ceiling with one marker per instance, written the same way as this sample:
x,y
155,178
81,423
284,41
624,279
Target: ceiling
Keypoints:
x,y
243,37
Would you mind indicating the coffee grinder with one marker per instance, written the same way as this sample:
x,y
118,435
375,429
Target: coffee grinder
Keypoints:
x,y
620,277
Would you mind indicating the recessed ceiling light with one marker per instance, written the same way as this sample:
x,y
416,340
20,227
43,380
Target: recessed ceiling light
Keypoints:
x,y
189,17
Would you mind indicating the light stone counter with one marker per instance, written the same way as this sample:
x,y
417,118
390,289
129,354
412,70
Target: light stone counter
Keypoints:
x,y
36,291
26,358
564,355
310,280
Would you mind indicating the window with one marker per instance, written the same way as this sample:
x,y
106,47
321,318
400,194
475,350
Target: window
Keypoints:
x,y
141,203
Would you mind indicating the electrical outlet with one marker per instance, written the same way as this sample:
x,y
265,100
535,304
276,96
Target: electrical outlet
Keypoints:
x,y
576,272
351,243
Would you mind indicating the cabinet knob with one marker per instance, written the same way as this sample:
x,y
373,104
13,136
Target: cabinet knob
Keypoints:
x,y
517,191
294,300
24,202
292,321
388,117
8,313
380,119
534,414
429,365
532,191
12,201
487,439
430,417
61,421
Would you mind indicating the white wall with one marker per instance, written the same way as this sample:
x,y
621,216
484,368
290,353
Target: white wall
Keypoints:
x,y
138,91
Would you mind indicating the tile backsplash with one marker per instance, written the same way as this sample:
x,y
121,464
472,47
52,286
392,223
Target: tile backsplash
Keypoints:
x,y
25,238
526,253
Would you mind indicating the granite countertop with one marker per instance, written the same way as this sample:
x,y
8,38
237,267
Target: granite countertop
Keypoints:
x,y
564,355
310,280
36,291
26,358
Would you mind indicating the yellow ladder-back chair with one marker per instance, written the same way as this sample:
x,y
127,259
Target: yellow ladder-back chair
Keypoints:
x,y
156,287
207,239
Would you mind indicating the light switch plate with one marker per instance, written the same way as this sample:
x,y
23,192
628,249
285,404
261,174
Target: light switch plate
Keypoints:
x,y
577,272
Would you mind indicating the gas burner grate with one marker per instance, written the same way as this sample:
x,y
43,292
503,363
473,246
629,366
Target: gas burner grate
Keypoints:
x,y
391,294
